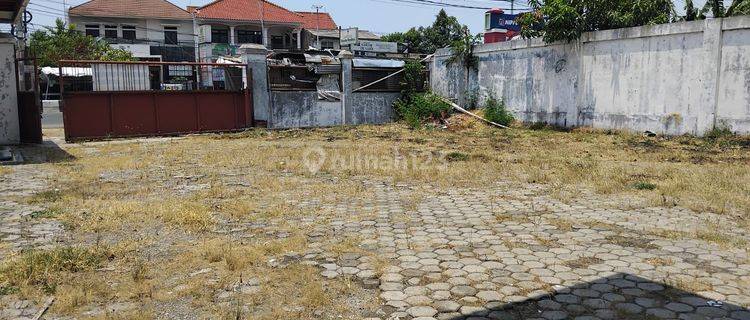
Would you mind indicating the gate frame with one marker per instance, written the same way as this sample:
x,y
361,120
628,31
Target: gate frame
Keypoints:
x,y
247,94
29,116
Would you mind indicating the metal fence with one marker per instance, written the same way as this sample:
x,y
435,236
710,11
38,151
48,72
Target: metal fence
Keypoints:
x,y
103,100
102,76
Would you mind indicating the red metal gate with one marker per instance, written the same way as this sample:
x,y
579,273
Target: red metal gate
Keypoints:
x,y
132,99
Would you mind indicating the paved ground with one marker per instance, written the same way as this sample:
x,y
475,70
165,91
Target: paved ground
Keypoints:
x,y
507,251
461,254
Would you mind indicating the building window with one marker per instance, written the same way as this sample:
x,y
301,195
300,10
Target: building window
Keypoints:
x,y
110,32
170,35
249,36
219,35
326,44
487,19
128,32
92,30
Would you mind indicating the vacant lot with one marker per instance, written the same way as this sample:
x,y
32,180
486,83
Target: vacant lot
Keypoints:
x,y
379,222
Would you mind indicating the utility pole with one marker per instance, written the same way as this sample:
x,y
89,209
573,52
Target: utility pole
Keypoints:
x,y
317,8
65,11
263,33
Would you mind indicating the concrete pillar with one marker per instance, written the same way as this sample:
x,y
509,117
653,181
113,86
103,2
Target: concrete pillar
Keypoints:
x,y
10,130
265,36
712,42
346,58
254,56
299,38
232,36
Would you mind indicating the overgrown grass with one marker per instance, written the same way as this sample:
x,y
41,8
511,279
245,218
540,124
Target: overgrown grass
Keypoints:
x,y
46,269
422,108
496,111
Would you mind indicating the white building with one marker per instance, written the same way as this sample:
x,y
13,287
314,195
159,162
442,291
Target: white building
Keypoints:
x,y
149,29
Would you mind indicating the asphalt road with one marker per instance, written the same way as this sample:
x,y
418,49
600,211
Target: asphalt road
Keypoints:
x,y
52,117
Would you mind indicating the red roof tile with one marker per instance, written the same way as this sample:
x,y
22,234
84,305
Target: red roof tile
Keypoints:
x,y
248,10
131,8
310,20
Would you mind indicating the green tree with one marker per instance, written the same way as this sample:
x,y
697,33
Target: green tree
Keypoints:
x,y
716,7
739,7
445,31
558,20
690,13
64,42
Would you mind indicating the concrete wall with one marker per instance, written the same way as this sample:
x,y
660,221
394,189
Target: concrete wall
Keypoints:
x,y
9,126
371,108
674,78
303,109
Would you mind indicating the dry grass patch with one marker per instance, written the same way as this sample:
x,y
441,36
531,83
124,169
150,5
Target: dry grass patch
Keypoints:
x,y
660,261
631,241
45,270
689,285
583,262
299,292
561,224
712,233
107,215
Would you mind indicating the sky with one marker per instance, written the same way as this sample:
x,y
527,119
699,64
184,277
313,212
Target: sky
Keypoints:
x,y
380,16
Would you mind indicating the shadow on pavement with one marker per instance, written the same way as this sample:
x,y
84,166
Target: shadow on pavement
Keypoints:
x,y
621,296
46,152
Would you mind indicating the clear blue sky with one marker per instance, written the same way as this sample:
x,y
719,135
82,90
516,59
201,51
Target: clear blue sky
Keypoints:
x,y
381,16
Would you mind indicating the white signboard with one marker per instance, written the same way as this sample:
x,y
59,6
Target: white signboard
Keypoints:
x,y
349,36
376,46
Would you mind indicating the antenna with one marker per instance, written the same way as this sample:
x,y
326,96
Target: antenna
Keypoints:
x,y
317,8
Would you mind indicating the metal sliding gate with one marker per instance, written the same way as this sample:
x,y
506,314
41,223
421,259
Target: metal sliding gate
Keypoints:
x,y
103,100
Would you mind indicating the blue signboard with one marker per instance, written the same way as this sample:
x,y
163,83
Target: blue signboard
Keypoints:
x,y
504,21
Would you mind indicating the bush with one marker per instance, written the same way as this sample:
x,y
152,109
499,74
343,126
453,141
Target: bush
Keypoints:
x,y
495,111
422,108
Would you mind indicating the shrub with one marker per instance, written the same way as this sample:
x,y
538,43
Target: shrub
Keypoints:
x,y
472,99
422,108
457,156
644,186
495,111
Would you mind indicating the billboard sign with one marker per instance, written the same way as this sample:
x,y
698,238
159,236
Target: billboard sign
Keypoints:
x,y
505,21
376,46
349,36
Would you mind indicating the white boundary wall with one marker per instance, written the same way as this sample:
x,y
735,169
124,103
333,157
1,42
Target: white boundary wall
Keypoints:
x,y
9,125
679,78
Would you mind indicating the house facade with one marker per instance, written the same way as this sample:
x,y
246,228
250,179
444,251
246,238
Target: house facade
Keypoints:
x,y
224,25
154,30
329,39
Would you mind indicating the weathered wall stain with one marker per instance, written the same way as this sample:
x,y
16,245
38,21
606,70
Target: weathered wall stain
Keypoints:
x,y
637,78
9,126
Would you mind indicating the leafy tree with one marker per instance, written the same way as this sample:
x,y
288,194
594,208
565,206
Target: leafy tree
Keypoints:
x,y
690,12
442,33
716,7
64,42
558,20
739,7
